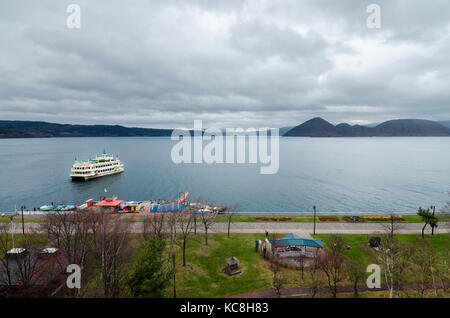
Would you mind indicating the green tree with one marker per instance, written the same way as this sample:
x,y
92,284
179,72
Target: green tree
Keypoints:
x,y
151,274
427,218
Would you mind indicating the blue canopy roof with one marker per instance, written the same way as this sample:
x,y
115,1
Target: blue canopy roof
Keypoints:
x,y
295,240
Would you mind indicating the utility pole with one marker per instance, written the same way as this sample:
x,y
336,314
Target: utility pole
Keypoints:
x,y
314,230
174,270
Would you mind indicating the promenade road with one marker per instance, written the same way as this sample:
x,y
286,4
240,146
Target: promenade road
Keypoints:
x,y
280,227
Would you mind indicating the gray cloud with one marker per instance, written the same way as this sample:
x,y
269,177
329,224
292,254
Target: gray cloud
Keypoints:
x,y
230,63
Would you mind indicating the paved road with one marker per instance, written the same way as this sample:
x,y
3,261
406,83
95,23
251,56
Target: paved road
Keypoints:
x,y
307,291
298,228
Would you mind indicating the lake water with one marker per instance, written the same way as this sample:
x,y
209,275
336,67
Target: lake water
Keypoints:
x,y
338,175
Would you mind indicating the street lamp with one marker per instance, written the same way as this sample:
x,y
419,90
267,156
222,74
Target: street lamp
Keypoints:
x,y
174,288
23,223
432,228
314,230
11,217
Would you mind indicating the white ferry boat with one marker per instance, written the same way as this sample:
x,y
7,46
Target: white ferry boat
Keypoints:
x,y
100,166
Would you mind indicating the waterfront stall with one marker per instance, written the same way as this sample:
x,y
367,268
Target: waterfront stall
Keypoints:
x,y
109,204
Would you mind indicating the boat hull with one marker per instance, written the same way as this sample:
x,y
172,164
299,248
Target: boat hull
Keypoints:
x,y
85,178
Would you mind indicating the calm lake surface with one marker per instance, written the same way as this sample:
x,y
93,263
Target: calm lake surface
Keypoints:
x,y
338,175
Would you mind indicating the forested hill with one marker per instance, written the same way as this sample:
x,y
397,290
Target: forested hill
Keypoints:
x,y
37,129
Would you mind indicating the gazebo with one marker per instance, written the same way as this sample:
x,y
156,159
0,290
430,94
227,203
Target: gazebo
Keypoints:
x,y
293,246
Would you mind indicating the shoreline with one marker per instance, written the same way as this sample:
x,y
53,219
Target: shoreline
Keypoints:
x,y
273,213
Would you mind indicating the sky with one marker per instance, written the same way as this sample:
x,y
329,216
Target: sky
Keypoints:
x,y
229,63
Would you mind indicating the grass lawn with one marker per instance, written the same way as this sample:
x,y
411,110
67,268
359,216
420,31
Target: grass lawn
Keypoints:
x,y
359,242
297,218
202,277
18,219
310,218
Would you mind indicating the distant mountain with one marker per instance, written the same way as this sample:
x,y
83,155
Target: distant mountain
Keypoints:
x,y
283,130
355,130
318,127
411,127
445,123
36,129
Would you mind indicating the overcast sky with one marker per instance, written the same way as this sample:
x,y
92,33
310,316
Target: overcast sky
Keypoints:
x,y
231,63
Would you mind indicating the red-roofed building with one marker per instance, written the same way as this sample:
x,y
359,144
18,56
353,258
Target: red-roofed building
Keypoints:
x,y
109,203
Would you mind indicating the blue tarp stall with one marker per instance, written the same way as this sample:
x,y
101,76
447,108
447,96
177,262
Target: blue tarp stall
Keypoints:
x,y
166,207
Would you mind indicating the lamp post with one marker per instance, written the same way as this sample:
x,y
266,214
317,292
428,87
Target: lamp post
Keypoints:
x,y
314,230
12,229
432,228
195,223
174,288
23,223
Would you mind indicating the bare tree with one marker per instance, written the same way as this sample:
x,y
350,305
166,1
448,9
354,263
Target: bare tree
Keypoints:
x,y
278,281
155,224
389,256
27,265
421,267
19,271
172,219
70,233
403,267
229,213
5,262
355,272
314,273
208,219
393,226
332,262
184,223
442,268
111,250
433,270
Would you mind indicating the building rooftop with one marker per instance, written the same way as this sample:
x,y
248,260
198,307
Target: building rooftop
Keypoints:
x,y
295,240
109,202
232,261
17,250
49,250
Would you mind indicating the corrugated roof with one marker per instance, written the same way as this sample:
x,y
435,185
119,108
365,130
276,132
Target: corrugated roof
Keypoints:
x,y
295,240
109,202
